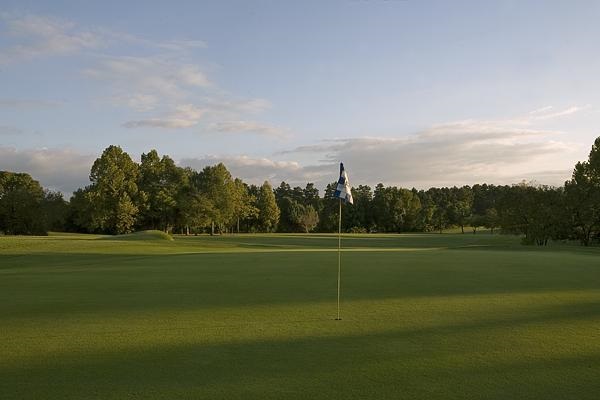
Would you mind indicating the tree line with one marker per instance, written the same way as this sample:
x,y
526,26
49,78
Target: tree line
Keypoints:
x,y
124,196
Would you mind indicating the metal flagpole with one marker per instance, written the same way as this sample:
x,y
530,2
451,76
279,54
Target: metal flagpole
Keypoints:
x,y
339,260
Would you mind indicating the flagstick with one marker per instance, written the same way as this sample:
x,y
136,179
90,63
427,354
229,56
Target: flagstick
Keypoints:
x,y
339,260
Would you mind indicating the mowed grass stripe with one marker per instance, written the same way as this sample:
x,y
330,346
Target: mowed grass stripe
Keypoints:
x,y
475,318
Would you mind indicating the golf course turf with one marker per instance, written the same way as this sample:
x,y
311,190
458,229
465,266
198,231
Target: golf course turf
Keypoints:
x,y
424,316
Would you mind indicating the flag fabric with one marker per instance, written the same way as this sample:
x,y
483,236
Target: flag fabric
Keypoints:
x,y
343,187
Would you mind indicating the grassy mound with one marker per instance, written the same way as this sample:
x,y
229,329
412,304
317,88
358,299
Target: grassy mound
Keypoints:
x,y
144,235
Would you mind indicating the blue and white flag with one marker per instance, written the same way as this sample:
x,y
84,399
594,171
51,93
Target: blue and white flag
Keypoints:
x,y
343,187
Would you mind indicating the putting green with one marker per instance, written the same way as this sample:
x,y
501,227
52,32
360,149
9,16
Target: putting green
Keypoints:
x,y
251,316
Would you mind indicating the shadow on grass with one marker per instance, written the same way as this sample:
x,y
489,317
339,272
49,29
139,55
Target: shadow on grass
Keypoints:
x,y
62,284
456,361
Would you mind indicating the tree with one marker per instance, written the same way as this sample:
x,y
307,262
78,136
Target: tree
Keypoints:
x,y
244,203
583,196
194,209
21,205
425,219
476,220
114,192
55,210
461,206
311,197
328,220
490,219
268,212
394,209
360,215
217,187
532,210
81,210
160,181
308,218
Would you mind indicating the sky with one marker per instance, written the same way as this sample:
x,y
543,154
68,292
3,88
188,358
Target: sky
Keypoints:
x,y
407,93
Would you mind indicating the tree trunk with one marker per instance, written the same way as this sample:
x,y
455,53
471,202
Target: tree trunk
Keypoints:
x,y
212,228
462,229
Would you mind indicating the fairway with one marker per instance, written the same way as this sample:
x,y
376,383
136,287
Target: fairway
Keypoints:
x,y
424,316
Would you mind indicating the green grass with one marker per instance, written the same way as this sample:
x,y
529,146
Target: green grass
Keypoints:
x,y
236,317
143,235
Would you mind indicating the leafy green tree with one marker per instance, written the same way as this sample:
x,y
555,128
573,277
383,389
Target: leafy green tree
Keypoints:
x,y
217,187
491,219
461,206
425,218
81,211
475,221
440,218
114,192
55,210
359,215
292,203
21,205
307,218
441,200
583,196
311,197
160,181
244,203
533,211
194,210
328,220
394,209
268,212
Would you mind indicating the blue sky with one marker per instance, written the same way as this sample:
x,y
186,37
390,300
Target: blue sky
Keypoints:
x,y
404,92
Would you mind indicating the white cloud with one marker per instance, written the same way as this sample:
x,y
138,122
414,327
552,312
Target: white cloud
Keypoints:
x,y
184,116
464,152
231,107
42,35
56,169
191,75
165,87
257,170
182,45
163,82
549,113
247,126
135,78
46,36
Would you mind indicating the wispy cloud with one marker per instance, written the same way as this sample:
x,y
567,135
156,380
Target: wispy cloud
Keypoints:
x,y
459,153
45,36
42,36
549,112
164,88
178,95
247,126
57,169
145,82
184,116
455,153
258,169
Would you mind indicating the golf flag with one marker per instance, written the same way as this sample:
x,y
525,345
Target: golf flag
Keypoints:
x,y
343,187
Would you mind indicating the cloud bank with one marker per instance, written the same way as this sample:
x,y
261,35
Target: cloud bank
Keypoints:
x,y
62,170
